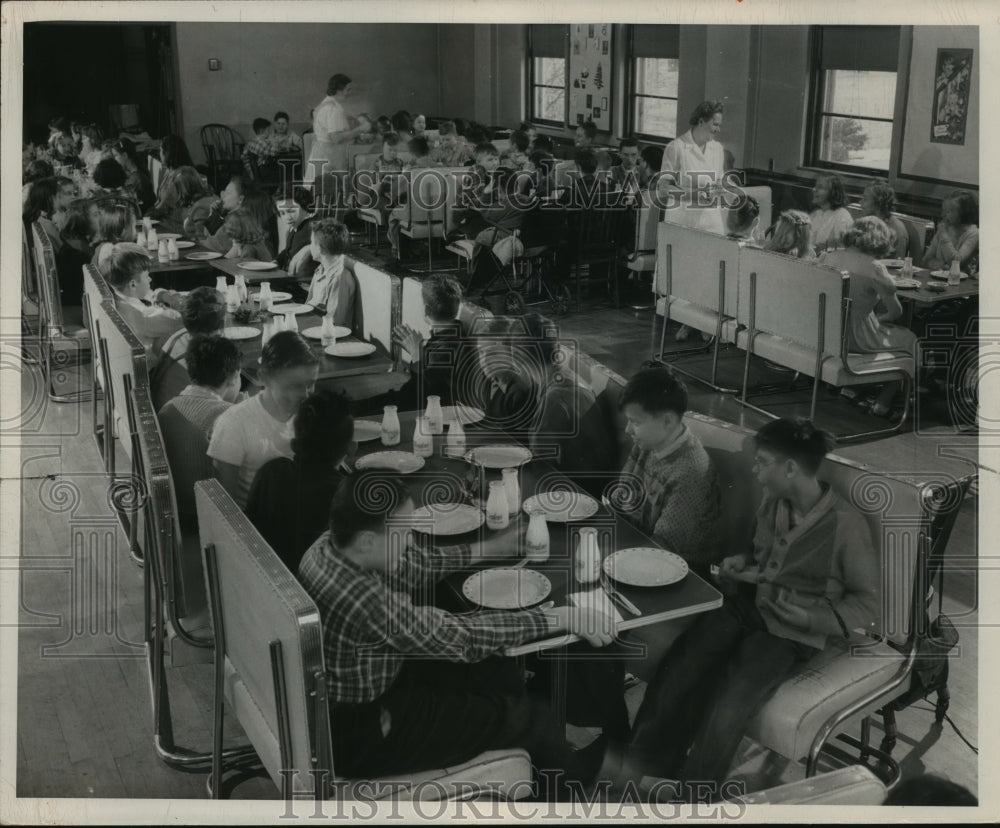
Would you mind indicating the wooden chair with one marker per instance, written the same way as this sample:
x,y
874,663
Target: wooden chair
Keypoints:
x,y
269,671
63,342
795,313
846,683
223,148
595,238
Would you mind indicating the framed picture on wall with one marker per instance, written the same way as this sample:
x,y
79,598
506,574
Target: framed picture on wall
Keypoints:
x,y
950,105
590,68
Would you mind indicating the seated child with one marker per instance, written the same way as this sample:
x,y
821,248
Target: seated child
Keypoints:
x,y
811,577
673,486
259,148
151,314
334,286
248,237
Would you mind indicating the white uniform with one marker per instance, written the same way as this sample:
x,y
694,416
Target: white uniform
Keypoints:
x,y
683,157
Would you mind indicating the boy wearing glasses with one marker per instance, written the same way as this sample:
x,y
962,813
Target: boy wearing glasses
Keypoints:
x,y
812,574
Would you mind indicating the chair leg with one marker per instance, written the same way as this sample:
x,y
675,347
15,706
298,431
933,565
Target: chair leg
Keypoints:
x,y
943,701
889,725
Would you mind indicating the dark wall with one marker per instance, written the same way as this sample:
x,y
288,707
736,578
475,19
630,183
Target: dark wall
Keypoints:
x,y
81,69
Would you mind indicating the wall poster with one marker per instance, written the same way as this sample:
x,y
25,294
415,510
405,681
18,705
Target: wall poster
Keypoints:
x,y
590,74
950,107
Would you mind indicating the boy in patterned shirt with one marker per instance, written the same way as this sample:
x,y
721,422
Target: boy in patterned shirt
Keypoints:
x,y
671,485
413,687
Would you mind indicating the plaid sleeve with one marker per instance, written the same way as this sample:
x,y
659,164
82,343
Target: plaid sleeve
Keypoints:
x,y
428,632
422,563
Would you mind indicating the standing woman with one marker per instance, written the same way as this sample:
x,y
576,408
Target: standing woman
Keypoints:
x,y
694,158
332,130
830,220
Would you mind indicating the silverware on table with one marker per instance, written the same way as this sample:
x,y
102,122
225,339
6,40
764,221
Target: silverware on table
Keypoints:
x,y
617,597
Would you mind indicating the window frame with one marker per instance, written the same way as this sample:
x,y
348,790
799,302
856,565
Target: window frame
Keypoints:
x,y
633,97
816,114
532,116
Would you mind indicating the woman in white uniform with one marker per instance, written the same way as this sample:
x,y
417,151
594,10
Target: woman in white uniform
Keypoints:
x,y
332,131
697,161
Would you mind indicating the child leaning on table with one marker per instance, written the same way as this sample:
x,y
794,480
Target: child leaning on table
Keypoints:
x,y
812,576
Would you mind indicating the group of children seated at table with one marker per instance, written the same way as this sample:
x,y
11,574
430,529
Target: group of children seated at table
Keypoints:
x,y
436,690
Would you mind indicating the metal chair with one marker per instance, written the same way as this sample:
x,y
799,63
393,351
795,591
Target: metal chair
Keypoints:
x,y
595,236
62,343
223,148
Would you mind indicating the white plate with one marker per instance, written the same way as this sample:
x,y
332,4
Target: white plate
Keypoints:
x,y
365,430
943,274
183,245
506,588
203,256
499,457
450,518
240,332
465,413
349,349
276,296
645,566
168,236
403,462
258,265
906,284
316,332
291,307
561,506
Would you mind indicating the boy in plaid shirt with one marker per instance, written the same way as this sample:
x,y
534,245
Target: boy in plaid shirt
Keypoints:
x,y
413,687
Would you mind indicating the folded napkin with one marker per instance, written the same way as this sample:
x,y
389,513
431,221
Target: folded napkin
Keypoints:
x,y
595,599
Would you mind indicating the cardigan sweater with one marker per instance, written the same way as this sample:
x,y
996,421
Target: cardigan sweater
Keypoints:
x,y
826,564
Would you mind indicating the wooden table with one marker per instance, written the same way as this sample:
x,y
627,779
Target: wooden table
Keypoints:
x,y
231,267
923,296
379,362
690,596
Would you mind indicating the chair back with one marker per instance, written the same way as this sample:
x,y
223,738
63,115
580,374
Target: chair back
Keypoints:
x,y
788,296
95,292
49,301
915,228
642,255
427,203
29,281
413,312
177,575
378,301
694,260
155,166
271,648
124,367
221,143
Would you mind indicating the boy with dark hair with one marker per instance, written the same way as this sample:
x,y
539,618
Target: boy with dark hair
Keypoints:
x,y
260,146
412,687
450,150
186,420
668,472
811,575
585,135
625,174
297,214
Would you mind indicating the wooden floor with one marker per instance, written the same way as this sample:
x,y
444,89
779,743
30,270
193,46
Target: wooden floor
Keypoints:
x,y
84,727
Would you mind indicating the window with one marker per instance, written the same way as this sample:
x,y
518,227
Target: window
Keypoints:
x,y
654,55
547,73
853,97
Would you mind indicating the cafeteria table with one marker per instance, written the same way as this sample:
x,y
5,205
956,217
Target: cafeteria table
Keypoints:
x,y
330,368
453,479
922,296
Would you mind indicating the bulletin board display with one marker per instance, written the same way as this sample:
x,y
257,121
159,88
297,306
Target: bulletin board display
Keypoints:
x,y
590,57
